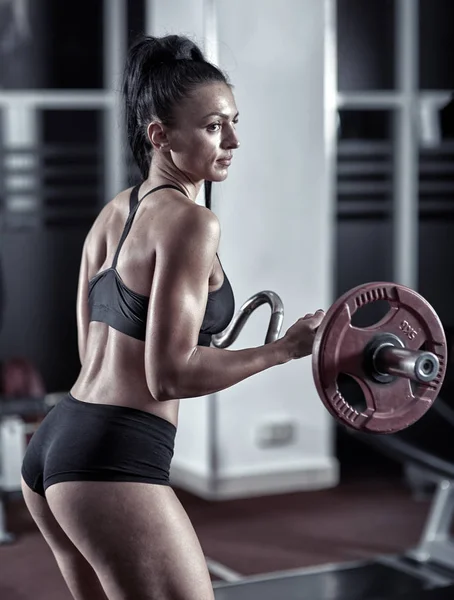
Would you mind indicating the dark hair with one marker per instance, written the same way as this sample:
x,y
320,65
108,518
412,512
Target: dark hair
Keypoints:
x,y
159,73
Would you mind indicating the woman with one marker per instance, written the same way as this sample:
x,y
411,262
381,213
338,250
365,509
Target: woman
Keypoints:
x,y
151,293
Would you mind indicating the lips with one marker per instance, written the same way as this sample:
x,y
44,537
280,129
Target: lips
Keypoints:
x,y
225,161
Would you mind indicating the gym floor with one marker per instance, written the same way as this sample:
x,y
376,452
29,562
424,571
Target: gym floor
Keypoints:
x,y
371,512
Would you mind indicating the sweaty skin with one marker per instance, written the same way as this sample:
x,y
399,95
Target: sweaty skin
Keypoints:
x,y
170,256
115,539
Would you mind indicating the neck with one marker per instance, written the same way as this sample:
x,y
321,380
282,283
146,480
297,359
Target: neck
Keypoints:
x,y
163,172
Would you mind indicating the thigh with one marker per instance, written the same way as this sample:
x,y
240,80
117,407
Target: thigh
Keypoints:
x,y
77,572
47,524
137,537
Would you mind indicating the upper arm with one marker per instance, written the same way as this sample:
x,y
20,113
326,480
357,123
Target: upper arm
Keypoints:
x,y
82,304
179,292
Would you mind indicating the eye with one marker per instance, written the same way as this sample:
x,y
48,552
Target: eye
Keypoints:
x,y
214,127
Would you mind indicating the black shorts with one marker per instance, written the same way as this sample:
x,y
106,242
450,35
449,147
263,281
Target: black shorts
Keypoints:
x,y
81,441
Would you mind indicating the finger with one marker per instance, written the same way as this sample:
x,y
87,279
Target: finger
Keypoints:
x,y
319,316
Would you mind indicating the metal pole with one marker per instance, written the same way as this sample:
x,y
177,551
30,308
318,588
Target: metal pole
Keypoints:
x,y
20,130
406,146
149,16
210,31
331,104
115,20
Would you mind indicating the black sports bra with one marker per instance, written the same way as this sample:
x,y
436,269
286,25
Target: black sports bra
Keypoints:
x,y
112,302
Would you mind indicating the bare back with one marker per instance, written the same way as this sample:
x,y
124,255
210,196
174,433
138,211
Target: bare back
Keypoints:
x,y
113,364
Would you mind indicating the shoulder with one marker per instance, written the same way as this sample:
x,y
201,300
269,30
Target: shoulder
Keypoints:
x,y
198,219
191,222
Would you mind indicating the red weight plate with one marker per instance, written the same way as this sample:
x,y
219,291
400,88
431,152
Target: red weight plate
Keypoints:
x,y
339,348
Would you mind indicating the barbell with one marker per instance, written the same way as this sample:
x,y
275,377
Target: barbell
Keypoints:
x,y
398,362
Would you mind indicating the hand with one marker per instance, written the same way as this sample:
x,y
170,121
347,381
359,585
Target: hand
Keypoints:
x,y
300,337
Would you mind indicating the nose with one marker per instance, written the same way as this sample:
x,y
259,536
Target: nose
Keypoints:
x,y
231,140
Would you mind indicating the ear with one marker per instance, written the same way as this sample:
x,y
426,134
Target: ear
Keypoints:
x,y
158,136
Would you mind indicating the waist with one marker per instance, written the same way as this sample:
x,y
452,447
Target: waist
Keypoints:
x,y
122,420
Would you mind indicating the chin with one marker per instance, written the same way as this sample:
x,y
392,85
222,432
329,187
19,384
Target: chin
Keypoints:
x,y
218,176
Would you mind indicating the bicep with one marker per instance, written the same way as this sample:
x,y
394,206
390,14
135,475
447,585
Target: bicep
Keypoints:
x,y
178,297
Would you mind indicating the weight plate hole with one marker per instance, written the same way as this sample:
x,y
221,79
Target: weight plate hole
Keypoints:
x,y
351,392
369,314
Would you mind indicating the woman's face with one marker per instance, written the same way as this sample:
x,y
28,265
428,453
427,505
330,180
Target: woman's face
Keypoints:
x,y
204,136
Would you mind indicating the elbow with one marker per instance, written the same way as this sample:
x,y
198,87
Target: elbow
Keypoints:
x,y
161,392
170,381
164,388
163,395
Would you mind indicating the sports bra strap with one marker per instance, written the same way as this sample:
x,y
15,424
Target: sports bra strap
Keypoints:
x,y
133,206
134,198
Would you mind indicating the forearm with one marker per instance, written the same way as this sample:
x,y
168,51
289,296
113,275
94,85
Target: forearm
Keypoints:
x,y
210,370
